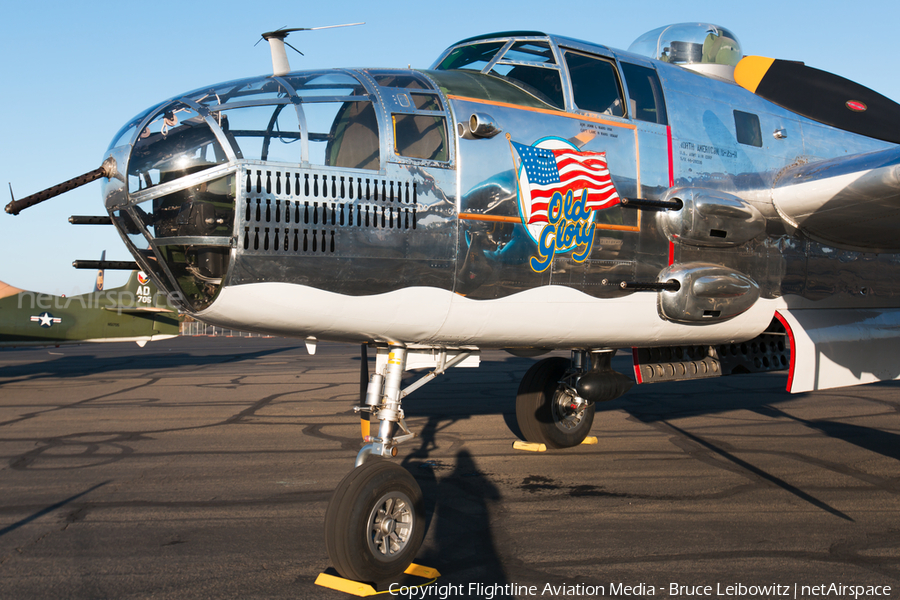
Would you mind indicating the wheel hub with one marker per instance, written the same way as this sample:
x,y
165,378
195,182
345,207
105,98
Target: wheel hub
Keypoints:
x,y
391,525
567,411
387,526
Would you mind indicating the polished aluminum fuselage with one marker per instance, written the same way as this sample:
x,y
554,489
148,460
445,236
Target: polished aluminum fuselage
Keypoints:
x,y
430,246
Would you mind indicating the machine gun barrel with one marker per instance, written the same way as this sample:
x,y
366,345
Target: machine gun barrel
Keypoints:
x,y
107,169
112,265
90,220
641,203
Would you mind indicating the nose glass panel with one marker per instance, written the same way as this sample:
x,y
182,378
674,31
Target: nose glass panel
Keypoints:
x,y
177,142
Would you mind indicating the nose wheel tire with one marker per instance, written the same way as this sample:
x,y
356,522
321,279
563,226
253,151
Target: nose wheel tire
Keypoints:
x,y
545,411
375,522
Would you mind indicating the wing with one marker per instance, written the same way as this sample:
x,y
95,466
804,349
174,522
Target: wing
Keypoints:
x,y
850,202
8,290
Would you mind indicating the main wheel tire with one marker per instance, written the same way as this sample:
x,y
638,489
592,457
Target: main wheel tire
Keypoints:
x,y
375,522
541,407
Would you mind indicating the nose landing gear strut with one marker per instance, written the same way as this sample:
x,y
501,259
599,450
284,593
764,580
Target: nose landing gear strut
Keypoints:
x,y
375,521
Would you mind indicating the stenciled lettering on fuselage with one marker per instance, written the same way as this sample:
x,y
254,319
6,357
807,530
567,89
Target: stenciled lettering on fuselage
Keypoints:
x,y
560,190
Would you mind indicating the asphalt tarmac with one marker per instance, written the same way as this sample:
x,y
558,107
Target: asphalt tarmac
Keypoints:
x,y
202,468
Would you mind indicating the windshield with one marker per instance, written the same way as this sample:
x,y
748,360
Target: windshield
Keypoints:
x,y
528,64
470,58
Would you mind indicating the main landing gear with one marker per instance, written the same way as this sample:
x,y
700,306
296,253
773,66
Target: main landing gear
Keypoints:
x,y
375,521
555,402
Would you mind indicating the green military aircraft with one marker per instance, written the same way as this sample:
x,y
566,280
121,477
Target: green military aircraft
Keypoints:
x,y
136,312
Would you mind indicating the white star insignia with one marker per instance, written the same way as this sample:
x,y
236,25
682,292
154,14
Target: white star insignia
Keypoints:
x,y
46,319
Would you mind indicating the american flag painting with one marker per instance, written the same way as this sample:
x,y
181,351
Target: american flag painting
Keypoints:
x,y
561,170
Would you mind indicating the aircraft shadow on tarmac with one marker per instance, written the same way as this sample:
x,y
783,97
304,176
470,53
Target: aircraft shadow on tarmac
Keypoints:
x,y
79,365
761,394
493,391
465,495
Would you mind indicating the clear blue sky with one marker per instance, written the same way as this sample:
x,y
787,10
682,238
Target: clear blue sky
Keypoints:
x,y
74,73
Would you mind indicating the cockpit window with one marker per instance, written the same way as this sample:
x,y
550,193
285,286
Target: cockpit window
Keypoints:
x,y
519,64
421,136
544,84
353,140
536,52
263,132
647,102
325,84
474,57
595,84
417,117
426,101
409,81
528,64
239,91
128,131
342,134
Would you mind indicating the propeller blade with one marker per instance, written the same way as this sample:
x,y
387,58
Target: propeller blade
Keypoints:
x,y
283,32
280,63
334,26
821,96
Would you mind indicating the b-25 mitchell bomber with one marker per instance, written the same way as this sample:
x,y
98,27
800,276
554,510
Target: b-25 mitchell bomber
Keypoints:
x,y
713,213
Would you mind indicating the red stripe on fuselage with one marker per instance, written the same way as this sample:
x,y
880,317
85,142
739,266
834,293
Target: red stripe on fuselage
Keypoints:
x,y
790,335
671,184
637,366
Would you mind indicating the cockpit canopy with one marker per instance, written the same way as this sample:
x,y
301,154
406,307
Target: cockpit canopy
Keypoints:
x,y
524,58
702,47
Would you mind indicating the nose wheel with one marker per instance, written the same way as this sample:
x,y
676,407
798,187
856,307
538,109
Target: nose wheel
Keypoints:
x,y
375,522
546,411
